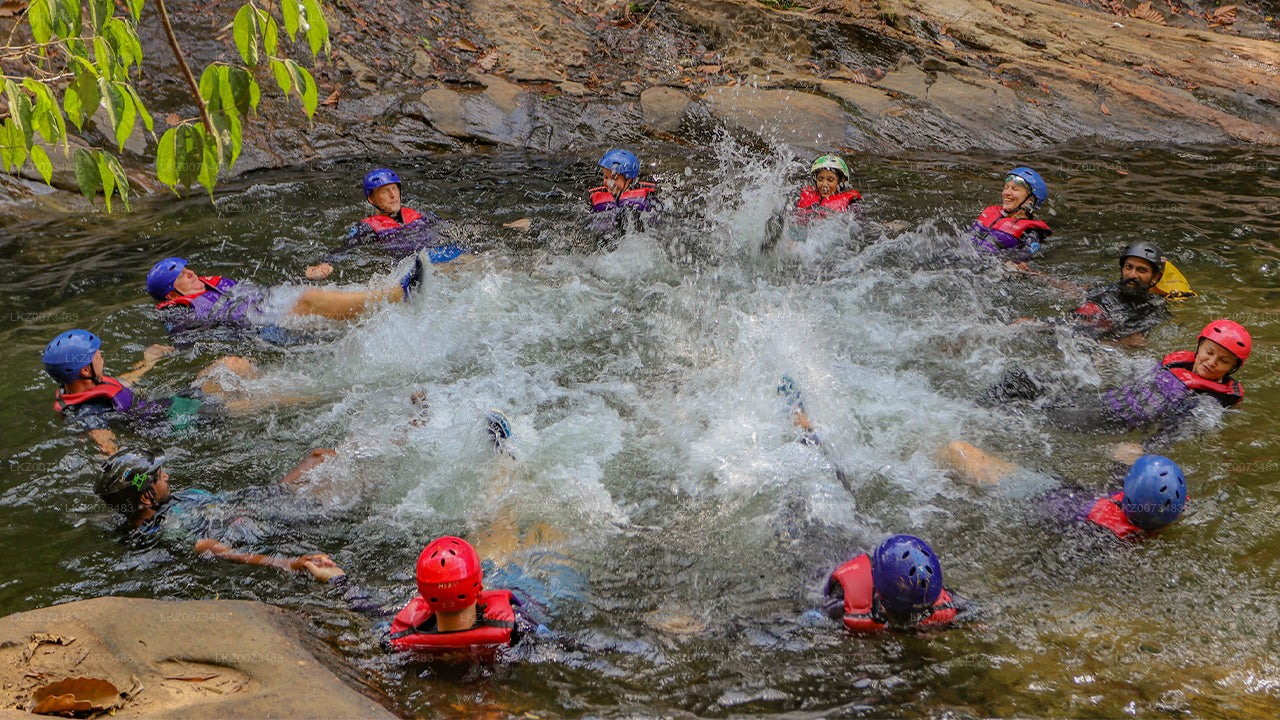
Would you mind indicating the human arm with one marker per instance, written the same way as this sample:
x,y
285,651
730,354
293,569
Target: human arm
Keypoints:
x,y
105,439
150,357
313,458
319,565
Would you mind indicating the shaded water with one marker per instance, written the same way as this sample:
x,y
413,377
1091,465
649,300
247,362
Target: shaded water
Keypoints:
x,y
660,509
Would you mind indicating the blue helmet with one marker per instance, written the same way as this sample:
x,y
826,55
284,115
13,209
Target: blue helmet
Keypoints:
x,y
66,355
160,279
1155,492
1033,181
906,574
621,162
378,178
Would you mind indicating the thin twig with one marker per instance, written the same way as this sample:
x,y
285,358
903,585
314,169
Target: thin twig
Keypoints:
x,y
186,71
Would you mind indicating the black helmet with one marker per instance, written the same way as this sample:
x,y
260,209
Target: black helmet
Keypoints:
x,y
126,476
1144,250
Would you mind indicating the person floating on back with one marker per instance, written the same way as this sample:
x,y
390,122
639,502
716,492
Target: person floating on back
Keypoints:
x,y
1011,225
395,229
134,484
1154,496
217,300
900,588
453,617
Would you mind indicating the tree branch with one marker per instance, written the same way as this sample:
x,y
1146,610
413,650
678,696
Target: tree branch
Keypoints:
x,y
186,71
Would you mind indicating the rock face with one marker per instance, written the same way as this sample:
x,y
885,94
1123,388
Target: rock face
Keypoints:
x,y
199,659
862,75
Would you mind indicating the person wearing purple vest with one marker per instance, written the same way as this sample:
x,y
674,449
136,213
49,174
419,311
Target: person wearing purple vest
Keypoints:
x,y
218,300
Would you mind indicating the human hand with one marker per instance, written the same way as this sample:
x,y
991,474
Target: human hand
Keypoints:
x,y
319,272
323,572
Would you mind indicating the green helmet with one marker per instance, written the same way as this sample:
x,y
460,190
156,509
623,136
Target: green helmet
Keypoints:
x,y
833,163
126,476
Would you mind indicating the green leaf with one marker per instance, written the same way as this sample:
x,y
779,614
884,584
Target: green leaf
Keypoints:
x,y
209,166
102,58
13,151
289,8
86,169
100,11
243,90
40,159
306,86
40,16
190,154
81,98
166,154
124,43
245,31
270,33
113,102
122,180
283,76
230,135
211,81
19,111
135,9
128,116
142,109
66,18
317,28
108,180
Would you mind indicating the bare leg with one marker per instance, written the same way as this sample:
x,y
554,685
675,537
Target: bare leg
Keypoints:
x,y
341,305
212,378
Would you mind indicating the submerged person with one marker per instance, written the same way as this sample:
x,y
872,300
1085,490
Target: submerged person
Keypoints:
x,y
92,399
1154,496
622,202
135,485
900,588
214,300
1129,309
1011,225
453,617
830,175
396,230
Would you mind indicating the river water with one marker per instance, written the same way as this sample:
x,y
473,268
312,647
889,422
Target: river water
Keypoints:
x,y
659,510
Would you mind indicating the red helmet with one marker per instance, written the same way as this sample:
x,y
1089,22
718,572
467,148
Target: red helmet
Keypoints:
x,y
1230,335
449,574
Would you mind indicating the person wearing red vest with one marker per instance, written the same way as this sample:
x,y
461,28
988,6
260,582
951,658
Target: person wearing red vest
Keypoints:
x,y
622,203
74,360
900,588
453,617
830,173
1154,496
215,300
1010,225
395,229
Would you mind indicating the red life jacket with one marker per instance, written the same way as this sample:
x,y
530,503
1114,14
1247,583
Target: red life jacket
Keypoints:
x,y
109,389
859,595
383,223
1008,231
602,199
211,282
1107,513
838,202
1228,391
415,629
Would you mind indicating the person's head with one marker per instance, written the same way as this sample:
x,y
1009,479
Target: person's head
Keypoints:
x,y
1155,492
171,278
619,168
382,190
73,355
1222,348
449,575
907,577
1024,190
132,481
829,173
1141,266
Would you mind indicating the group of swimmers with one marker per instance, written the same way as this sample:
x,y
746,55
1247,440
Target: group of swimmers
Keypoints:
x,y
899,585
